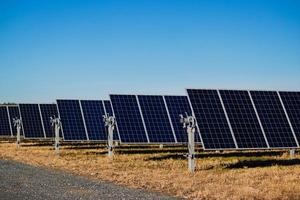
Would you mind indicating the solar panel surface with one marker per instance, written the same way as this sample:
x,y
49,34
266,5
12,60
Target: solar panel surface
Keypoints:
x,y
31,121
156,119
291,101
129,120
243,119
73,128
93,112
5,129
47,111
211,119
273,119
109,110
177,105
14,113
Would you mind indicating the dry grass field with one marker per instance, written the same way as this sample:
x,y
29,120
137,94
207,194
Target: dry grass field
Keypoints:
x,y
227,175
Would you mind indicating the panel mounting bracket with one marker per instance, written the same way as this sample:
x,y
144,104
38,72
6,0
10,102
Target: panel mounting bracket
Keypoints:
x,y
110,123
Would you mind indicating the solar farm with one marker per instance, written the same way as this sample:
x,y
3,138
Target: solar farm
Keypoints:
x,y
184,146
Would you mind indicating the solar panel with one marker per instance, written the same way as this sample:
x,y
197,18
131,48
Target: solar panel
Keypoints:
x,y
273,119
47,111
156,119
31,121
177,105
73,127
243,119
5,128
14,112
109,110
211,119
291,101
129,120
93,112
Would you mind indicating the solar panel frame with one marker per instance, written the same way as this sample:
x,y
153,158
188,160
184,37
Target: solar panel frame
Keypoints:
x,y
116,100
89,123
62,127
5,125
155,131
23,119
48,110
243,119
107,106
280,114
14,112
173,101
231,144
296,123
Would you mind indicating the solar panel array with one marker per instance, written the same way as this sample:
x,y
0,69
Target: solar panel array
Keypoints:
x,y
226,119
150,118
236,119
83,119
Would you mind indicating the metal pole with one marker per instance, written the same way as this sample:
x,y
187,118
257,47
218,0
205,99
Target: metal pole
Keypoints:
x,y
110,141
191,147
18,135
292,153
189,123
110,124
18,124
57,125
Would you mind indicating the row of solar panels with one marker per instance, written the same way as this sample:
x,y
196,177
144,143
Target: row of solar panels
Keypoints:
x,y
226,119
36,119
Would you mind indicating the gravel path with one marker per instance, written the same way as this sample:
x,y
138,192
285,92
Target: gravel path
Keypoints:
x,y
21,181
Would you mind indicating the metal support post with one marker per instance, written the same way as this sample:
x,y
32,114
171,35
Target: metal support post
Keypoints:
x,y
292,153
161,146
110,124
189,124
18,124
57,125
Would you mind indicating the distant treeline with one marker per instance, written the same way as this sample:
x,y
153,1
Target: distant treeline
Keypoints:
x,y
7,103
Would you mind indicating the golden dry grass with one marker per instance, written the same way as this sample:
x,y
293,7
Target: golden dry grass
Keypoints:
x,y
231,175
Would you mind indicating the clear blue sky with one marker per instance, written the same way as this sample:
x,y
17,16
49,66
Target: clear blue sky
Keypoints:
x,y
88,49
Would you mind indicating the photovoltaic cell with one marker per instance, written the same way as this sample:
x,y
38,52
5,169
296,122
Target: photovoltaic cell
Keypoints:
x,y
4,122
93,112
211,119
156,119
177,105
129,120
243,119
291,101
73,128
108,109
47,111
273,119
14,113
31,121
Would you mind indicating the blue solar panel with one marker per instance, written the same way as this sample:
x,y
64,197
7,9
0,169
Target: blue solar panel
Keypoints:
x,y
179,105
73,127
108,110
211,119
5,129
31,121
273,119
47,111
129,120
243,119
14,113
291,101
93,112
156,119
